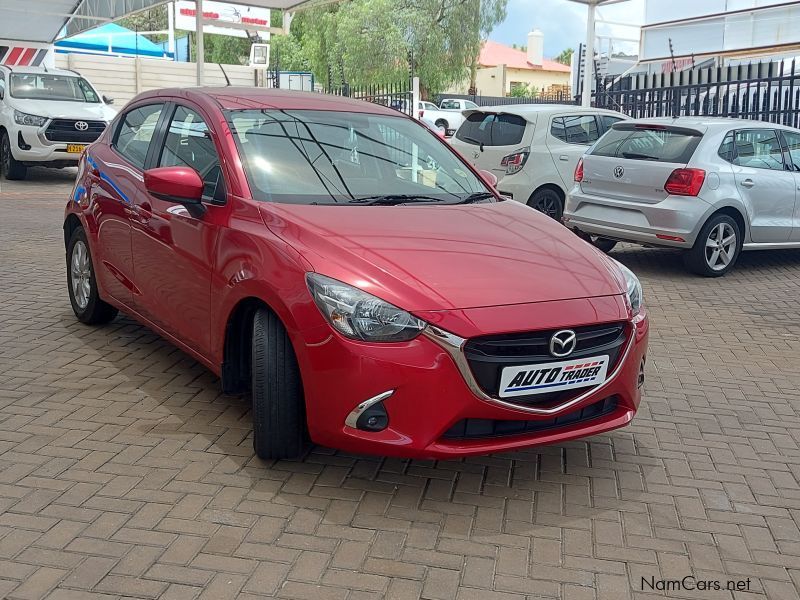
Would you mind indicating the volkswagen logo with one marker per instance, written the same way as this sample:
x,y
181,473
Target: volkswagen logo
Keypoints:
x,y
81,125
563,343
619,172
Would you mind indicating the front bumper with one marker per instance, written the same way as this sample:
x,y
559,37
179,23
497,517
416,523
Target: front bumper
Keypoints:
x,y
30,146
676,219
432,395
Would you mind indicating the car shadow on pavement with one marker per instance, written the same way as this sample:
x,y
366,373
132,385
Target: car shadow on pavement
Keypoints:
x,y
171,411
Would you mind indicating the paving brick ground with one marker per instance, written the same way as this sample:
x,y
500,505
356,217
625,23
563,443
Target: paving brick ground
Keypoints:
x,y
125,473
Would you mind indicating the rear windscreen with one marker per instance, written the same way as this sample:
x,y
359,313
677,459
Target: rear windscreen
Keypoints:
x,y
660,145
492,129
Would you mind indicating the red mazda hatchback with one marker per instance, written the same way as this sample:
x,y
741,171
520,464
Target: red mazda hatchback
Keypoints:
x,y
348,269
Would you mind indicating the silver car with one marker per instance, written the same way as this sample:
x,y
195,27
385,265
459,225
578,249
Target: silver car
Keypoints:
x,y
712,186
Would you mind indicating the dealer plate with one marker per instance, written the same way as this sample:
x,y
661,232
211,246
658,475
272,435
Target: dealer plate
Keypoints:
x,y
527,380
76,148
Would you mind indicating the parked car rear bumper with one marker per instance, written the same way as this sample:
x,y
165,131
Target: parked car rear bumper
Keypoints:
x,y
674,222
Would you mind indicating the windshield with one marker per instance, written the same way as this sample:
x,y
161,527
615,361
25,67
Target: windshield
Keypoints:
x,y
47,86
326,157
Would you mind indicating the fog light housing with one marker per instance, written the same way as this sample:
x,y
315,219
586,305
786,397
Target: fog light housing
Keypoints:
x,y
21,142
370,415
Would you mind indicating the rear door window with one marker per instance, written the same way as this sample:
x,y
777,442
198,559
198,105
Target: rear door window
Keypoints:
x,y
492,129
655,144
607,121
575,129
792,140
758,149
135,132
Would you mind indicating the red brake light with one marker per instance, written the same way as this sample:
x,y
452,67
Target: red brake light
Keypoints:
x,y
421,114
514,162
685,182
579,172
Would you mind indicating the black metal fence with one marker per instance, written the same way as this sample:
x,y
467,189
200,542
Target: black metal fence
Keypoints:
x,y
481,100
398,96
768,91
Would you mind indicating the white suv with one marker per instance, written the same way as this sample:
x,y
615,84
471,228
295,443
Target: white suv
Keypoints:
x,y
533,149
47,117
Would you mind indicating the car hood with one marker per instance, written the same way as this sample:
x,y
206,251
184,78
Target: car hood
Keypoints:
x,y
424,258
65,110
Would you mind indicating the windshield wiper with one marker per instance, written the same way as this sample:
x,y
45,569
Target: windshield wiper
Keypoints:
x,y
393,199
477,197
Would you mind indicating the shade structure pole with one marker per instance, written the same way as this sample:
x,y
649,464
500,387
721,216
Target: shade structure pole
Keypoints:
x,y
588,71
200,49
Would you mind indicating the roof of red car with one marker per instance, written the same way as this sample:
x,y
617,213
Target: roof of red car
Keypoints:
x,y
257,98
493,54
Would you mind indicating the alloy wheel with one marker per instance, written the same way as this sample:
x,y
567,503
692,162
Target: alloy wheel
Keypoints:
x,y
80,274
548,205
720,246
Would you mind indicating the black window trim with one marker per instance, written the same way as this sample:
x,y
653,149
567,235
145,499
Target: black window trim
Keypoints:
x,y
788,162
597,123
159,142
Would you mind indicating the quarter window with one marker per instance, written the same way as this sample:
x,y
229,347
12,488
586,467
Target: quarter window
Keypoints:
x,y
189,144
136,131
758,149
577,129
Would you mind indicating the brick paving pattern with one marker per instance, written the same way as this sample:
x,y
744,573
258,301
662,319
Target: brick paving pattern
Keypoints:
x,y
124,472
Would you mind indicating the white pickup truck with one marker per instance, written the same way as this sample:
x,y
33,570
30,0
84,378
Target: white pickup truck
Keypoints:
x,y
47,118
448,116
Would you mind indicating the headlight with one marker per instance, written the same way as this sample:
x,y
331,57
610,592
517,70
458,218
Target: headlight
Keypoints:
x,y
359,315
634,288
21,118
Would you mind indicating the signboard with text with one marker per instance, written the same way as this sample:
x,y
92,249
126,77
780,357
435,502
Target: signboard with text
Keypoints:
x,y
221,13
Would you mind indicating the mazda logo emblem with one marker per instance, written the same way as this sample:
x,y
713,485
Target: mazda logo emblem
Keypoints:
x,y
563,343
619,172
81,125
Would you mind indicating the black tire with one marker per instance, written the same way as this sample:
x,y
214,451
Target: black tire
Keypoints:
x,y
699,259
601,243
11,168
549,202
442,124
89,309
279,420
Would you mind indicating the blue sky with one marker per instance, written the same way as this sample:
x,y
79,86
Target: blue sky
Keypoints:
x,y
564,23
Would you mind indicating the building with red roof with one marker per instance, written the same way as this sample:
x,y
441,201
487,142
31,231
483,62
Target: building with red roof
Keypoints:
x,y
501,68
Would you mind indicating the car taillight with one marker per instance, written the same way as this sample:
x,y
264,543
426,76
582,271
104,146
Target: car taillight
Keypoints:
x,y
421,114
685,182
514,162
578,177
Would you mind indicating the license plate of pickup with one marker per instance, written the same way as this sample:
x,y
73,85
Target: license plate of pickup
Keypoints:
x,y
76,148
527,380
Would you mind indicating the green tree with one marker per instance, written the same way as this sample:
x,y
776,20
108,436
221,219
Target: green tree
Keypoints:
x,y
565,57
523,90
371,41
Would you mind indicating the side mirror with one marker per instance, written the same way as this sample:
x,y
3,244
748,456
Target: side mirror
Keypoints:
x,y
488,177
108,100
181,185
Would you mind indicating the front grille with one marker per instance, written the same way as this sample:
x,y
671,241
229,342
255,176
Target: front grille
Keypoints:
x,y
471,429
489,355
63,130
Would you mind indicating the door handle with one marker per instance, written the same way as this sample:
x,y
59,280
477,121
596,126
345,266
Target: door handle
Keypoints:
x,y
748,183
145,211
563,157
